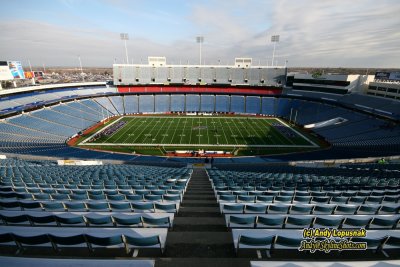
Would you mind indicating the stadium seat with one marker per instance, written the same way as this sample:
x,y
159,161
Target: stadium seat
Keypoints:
x,y
255,243
268,222
132,221
68,241
244,222
103,241
142,242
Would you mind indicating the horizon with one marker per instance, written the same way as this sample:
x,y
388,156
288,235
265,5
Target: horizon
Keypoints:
x,y
334,34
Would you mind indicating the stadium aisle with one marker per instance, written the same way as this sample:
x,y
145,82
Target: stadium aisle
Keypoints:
x,y
199,236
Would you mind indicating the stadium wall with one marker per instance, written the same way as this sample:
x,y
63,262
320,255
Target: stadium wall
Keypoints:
x,y
130,75
200,89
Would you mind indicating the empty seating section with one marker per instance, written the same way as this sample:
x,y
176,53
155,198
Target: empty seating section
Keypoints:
x,y
107,105
177,103
49,115
237,104
50,206
207,103
222,103
45,131
7,103
284,107
25,99
162,103
263,209
273,241
93,105
11,129
118,103
131,104
268,106
253,105
86,219
89,114
282,221
192,103
43,125
125,238
146,103
376,103
33,98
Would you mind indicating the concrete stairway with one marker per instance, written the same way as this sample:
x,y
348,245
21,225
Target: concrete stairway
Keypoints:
x,y
200,237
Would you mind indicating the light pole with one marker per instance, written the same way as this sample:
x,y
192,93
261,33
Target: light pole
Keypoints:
x,y
200,40
274,39
125,37
33,75
80,64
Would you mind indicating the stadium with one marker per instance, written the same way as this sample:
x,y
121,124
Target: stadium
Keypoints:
x,y
252,156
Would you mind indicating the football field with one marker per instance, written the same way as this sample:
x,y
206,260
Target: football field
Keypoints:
x,y
199,131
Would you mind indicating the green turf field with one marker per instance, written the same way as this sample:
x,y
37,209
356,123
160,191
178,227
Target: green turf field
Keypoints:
x,y
201,132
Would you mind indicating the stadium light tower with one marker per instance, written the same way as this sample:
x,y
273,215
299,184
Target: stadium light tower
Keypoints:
x,y
125,37
80,64
200,40
33,76
274,39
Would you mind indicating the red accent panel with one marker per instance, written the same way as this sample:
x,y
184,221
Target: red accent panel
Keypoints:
x,y
188,89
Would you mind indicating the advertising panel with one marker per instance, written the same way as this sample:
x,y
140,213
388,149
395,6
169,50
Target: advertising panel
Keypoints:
x,y
382,75
38,74
5,73
394,76
29,74
16,69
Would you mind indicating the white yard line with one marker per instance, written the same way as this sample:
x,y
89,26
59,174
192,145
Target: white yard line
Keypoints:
x,y
181,134
90,137
251,128
124,134
169,126
294,130
275,133
144,129
232,134
223,131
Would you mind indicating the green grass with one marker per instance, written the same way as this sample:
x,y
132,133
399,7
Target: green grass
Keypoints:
x,y
155,134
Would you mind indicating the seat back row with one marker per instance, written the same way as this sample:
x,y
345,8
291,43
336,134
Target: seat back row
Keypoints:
x,y
172,207
149,196
57,241
309,199
88,220
309,221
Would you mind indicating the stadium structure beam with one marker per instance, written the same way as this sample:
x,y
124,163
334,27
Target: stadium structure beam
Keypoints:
x,y
200,40
125,37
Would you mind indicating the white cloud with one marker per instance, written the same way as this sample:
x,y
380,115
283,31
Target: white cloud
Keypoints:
x,y
313,33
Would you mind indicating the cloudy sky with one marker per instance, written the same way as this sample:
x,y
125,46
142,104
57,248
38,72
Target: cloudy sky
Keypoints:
x,y
321,33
